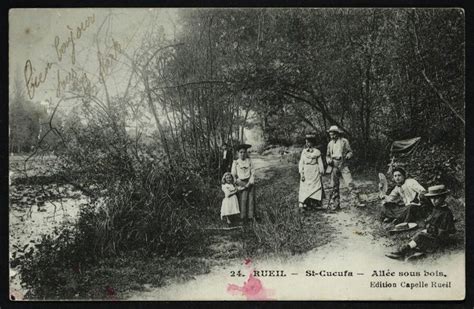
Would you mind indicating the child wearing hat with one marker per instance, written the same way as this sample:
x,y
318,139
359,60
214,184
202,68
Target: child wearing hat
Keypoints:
x,y
438,226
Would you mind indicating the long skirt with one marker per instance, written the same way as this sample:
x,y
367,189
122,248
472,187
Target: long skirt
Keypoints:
x,y
394,211
246,200
402,213
311,187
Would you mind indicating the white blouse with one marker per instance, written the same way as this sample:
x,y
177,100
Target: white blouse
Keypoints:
x,y
406,192
243,169
310,156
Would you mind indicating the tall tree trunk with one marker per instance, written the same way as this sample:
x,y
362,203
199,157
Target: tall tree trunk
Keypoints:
x,y
243,126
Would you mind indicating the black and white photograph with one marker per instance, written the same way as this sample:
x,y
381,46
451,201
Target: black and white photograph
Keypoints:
x,y
263,154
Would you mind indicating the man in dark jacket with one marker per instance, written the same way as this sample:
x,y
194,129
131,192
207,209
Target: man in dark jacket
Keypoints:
x,y
226,158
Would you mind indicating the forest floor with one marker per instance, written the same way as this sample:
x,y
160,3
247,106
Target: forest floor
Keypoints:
x,y
352,239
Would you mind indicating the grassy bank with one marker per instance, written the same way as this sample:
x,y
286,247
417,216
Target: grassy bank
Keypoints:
x,y
282,231
111,278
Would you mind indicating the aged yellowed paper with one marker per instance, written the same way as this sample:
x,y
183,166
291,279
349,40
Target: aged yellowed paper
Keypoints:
x,y
237,154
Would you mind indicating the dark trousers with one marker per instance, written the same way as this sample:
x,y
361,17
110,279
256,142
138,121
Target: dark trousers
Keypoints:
x,y
427,242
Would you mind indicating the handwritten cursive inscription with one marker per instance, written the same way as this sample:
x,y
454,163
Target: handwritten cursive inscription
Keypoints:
x,y
34,81
77,81
107,60
75,34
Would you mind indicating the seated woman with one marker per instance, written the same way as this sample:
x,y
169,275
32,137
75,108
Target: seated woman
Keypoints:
x,y
439,225
406,202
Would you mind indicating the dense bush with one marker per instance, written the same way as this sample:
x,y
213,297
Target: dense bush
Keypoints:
x,y
435,164
55,254
140,201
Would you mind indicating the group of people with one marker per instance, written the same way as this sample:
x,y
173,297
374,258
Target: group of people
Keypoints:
x,y
238,186
311,169
410,202
407,202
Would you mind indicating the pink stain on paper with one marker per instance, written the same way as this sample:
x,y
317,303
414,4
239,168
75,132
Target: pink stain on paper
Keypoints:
x,y
110,293
252,289
16,295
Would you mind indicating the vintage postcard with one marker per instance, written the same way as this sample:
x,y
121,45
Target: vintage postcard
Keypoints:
x,y
237,154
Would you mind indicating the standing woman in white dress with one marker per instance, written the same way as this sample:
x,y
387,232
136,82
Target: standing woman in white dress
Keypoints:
x,y
242,170
311,169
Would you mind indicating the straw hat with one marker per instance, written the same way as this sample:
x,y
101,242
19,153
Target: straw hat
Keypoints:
x,y
243,146
437,191
335,129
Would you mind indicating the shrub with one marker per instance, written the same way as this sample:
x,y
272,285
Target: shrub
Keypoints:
x,y
141,201
51,263
435,164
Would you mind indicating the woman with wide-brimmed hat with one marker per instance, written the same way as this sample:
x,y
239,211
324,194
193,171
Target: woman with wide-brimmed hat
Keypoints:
x,y
311,169
243,172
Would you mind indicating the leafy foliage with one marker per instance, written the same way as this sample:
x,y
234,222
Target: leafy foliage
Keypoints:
x,y
376,73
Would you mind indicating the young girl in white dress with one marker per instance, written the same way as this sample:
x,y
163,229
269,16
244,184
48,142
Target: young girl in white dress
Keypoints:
x,y
230,203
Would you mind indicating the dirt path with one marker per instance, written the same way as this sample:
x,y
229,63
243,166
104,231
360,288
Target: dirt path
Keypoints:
x,y
353,248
